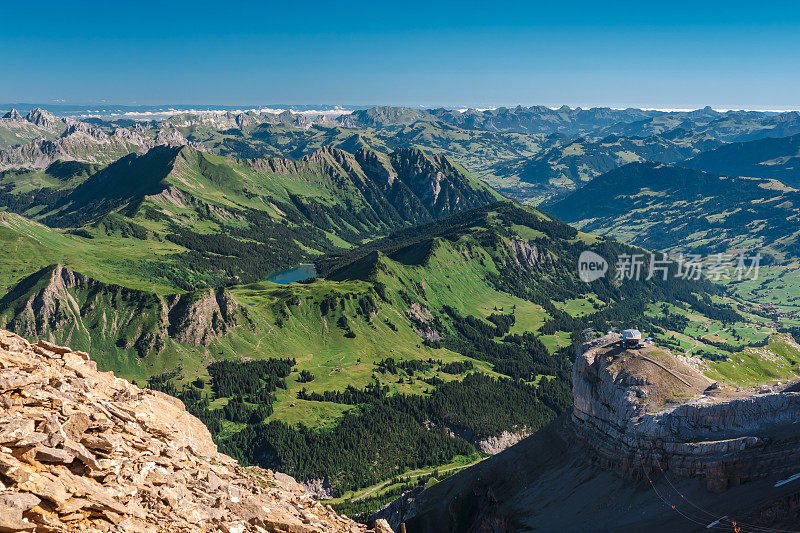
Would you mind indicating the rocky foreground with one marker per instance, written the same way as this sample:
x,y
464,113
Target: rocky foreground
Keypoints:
x,y
82,450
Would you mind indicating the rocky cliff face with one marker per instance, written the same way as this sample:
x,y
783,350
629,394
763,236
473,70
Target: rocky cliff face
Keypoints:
x,y
646,410
65,306
44,119
37,124
527,255
648,437
82,450
407,185
13,115
442,187
79,142
198,318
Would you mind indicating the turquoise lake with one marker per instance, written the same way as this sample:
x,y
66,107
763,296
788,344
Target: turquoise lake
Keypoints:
x,y
291,275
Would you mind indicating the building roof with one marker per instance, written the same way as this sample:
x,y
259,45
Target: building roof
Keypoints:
x,y
632,334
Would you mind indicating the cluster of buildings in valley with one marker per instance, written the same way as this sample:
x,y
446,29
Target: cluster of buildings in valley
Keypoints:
x,y
775,312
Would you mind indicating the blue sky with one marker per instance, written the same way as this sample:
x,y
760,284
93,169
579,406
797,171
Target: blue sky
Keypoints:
x,y
671,55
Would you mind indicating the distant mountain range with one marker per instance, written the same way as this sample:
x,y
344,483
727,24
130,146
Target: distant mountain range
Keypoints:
x,y
569,164
595,123
60,171
776,158
528,153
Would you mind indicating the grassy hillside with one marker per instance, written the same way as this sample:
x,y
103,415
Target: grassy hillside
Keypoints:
x,y
440,336
689,211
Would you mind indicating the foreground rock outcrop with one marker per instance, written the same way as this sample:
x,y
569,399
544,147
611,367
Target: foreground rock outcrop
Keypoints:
x,y
82,450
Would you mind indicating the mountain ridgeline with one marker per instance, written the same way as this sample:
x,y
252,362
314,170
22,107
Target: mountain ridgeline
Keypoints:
x,y
528,153
442,322
244,218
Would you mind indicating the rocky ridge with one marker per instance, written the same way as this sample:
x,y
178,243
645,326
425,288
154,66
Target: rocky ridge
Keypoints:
x,y
82,450
62,305
639,413
43,120
648,433
17,130
411,185
250,119
54,139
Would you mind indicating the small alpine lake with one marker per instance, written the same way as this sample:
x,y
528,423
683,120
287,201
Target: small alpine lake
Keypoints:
x,y
290,275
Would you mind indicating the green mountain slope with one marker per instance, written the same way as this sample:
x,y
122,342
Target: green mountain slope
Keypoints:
x,y
773,158
689,211
389,342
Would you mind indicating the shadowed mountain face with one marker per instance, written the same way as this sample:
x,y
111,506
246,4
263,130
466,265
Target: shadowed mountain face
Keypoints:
x,y
649,446
675,208
547,482
239,220
123,184
764,158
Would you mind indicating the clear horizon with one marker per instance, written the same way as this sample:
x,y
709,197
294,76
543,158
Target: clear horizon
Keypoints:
x,y
345,108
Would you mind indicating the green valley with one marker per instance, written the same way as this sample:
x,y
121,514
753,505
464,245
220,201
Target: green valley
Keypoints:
x,y
434,331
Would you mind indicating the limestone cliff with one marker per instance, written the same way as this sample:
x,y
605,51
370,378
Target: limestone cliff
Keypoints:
x,y
82,450
650,445
646,410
